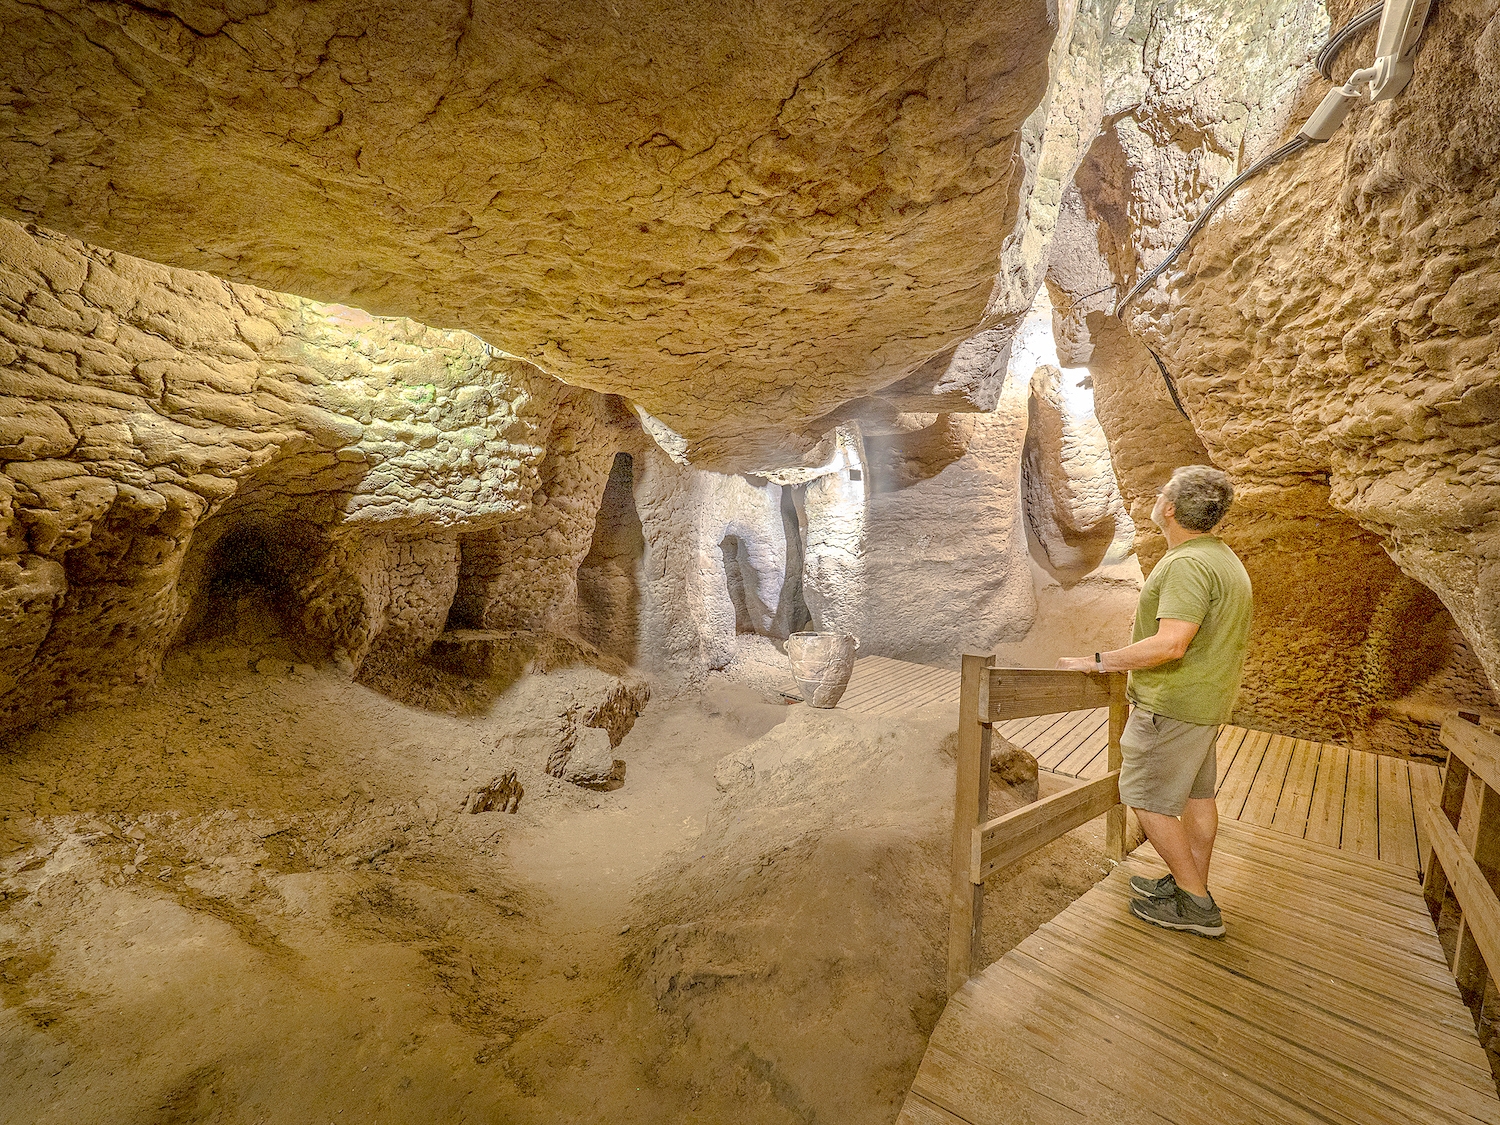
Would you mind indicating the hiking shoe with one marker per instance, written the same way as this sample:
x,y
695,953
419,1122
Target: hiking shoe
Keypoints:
x,y
1180,913
1165,887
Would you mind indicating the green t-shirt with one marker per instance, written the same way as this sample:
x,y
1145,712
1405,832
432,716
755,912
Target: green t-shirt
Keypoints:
x,y
1201,581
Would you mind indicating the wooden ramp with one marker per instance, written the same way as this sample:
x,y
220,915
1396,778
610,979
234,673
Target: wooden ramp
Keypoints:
x,y
1319,791
1329,1000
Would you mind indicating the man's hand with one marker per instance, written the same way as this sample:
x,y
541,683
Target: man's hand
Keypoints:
x,y
1169,642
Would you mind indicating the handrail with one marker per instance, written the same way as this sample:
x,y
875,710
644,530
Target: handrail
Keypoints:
x,y
982,845
1006,839
1463,822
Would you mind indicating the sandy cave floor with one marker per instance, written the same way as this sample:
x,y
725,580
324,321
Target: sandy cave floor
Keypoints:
x,y
252,895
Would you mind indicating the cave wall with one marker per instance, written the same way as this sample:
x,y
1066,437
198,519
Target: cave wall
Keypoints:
x,y
1325,633
1336,330
631,196
924,557
146,412
689,624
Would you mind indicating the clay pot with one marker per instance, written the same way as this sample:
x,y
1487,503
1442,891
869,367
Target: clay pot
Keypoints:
x,y
822,664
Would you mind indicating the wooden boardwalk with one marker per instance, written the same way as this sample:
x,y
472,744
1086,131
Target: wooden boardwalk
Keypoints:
x,y
1318,791
1329,1000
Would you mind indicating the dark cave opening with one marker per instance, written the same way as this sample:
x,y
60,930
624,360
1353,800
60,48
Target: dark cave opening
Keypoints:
x,y
609,590
249,584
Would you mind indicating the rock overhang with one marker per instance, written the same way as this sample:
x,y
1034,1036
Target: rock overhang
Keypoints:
x,y
738,221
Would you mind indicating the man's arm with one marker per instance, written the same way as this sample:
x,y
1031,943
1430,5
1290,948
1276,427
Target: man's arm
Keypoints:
x,y
1169,643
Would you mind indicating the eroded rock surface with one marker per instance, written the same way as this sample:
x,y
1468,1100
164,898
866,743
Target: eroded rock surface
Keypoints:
x,y
1336,330
164,434
1332,654
739,220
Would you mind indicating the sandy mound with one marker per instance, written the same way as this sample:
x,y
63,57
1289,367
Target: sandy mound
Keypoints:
x,y
255,896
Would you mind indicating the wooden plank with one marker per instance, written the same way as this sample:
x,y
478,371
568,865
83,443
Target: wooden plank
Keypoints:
x,y
1482,834
1011,729
983,1096
1468,962
1291,813
1058,732
1019,1083
971,795
1230,740
894,695
1325,814
1030,728
1361,807
1119,713
1091,746
1265,789
1249,836
1384,1009
1479,749
1395,885
1426,787
1096,1039
1236,787
878,682
917,1110
1044,737
1475,896
1398,831
1093,729
1006,839
1319,1083
1349,896
1381,1056
1014,692
1417,984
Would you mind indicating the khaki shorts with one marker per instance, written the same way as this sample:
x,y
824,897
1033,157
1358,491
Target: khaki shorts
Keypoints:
x,y
1166,762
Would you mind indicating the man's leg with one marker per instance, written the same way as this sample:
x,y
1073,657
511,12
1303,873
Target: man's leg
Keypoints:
x,y
1200,817
1169,836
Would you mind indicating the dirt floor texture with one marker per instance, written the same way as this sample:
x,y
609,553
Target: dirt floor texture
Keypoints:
x,y
256,895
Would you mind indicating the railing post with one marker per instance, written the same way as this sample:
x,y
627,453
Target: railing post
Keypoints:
x,y
1479,829
971,799
1119,710
1454,785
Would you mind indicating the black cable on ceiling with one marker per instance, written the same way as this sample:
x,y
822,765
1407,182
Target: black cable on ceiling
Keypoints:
x,y
1324,62
1340,39
1296,144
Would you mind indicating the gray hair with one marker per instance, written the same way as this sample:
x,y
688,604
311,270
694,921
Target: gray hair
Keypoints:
x,y
1199,496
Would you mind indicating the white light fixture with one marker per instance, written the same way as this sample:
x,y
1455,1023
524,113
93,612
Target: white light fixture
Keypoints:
x,y
1401,24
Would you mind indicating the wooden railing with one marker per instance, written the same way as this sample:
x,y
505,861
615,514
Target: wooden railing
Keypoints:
x,y
982,846
1463,819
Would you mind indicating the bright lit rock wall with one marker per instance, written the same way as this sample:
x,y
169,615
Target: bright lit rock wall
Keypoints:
x,y
1338,328
146,412
924,557
1315,354
738,218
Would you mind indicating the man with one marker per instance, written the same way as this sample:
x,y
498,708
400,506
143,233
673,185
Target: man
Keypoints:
x,y
1192,625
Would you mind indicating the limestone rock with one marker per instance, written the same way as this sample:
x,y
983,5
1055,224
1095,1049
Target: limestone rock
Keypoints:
x,y
738,220
504,793
1013,768
592,762
210,430
1309,338
924,556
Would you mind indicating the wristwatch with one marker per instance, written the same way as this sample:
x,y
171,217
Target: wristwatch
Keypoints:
x,y
1099,662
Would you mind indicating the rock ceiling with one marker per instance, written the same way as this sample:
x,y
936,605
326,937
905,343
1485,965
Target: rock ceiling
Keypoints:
x,y
738,222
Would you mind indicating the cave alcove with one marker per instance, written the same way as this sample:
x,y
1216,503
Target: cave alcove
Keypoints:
x,y
609,589
243,586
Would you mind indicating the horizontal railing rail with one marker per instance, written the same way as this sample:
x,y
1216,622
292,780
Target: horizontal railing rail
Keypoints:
x,y
1463,823
981,845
